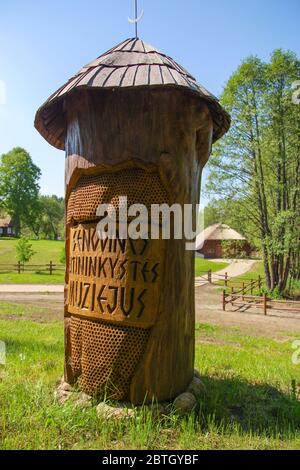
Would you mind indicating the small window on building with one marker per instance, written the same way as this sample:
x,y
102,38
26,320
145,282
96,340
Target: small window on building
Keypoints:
x,y
8,230
1,230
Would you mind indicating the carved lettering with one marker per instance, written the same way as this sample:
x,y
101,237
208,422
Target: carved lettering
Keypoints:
x,y
111,279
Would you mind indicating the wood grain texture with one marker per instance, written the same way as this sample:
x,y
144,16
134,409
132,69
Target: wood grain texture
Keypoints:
x,y
131,64
172,132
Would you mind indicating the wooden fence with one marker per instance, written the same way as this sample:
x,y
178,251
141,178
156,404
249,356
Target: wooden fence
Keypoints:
x,y
242,299
34,268
240,292
225,280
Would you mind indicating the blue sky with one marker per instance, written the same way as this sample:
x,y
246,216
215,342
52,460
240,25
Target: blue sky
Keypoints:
x,y
45,42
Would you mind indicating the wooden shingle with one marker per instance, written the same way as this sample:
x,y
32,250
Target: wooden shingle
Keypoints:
x,y
132,63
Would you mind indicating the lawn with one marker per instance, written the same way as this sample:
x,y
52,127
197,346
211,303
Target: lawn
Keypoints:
x,y
46,251
237,282
251,399
50,250
202,264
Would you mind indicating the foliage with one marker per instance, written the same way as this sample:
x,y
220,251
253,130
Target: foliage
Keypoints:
x,y
19,186
255,169
24,250
234,249
50,222
62,258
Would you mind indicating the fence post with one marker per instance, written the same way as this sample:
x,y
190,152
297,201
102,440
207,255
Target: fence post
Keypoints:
x,y
50,267
19,267
265,304
224,300
259,281
209,276
232,296
251,286
226,279
243,291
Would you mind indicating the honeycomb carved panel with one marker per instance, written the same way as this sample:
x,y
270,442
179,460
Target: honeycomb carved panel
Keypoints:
x,y
105,356
140,187
114,285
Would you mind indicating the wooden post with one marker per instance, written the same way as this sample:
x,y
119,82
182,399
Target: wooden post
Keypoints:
x,y
50,268
209,276
19,267
243,288
265,305
226,279
259,282
131,331
232,291
251,287
224,300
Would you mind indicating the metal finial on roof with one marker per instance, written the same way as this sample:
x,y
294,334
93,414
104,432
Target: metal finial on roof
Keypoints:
x,y
136,18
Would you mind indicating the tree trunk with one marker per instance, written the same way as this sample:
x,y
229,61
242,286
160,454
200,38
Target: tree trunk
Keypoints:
x,y
149,146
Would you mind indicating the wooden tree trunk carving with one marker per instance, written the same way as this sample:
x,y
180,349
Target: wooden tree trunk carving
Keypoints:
x,y
130,330
137,128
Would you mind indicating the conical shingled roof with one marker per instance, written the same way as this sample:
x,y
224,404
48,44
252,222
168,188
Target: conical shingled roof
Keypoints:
x,y
132,63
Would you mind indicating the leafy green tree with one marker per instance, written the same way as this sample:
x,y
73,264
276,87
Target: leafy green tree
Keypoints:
x,y
24,250
257,165
228,211
49,218
52,216
19,187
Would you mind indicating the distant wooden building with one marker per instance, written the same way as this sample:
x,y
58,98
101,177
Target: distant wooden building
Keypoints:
x,y
210,242
7,228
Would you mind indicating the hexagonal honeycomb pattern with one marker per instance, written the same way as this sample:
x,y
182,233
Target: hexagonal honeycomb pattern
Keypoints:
x,y
105,356
140,187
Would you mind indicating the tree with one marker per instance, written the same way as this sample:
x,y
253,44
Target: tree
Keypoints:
x,y
228,211
24,250
19,187
257,165
51,220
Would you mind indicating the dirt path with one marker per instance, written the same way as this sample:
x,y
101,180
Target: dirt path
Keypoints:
x,y
237,267
278,325
47,307
13,288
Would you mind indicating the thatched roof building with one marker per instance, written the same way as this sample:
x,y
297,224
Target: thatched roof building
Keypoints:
x,y
209,241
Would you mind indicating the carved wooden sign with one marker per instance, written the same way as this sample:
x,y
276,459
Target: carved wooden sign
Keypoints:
x,y
117,280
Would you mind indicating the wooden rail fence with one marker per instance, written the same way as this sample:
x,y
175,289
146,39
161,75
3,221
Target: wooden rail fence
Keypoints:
x,y
36,268
243,299
242,293
224,279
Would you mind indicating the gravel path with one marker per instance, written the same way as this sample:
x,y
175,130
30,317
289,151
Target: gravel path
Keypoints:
x,y
278,325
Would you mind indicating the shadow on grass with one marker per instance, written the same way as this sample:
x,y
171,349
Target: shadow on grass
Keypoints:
x,y
254,408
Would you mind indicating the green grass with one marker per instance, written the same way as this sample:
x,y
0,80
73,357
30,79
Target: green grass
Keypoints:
x,y
31,278
252,275
202,264
249,401
47,250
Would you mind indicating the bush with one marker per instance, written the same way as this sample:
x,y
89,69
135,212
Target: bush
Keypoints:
x,y
24,250
62,257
